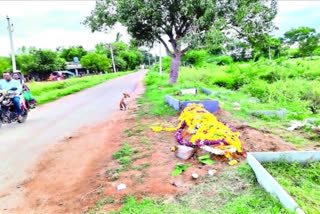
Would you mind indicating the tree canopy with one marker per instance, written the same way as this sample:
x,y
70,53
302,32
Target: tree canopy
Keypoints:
x,y
69,53
45,61
181,24
96,62
306,37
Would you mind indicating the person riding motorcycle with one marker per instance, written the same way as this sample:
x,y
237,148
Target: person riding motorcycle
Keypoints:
x,y
7,83
29,98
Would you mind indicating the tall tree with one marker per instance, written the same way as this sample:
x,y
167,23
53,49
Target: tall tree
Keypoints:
x,y
306,37
69,53
46,61
96,62
25,62
179,23
265,45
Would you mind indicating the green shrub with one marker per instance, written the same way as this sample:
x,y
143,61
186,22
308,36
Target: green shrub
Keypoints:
x,y
166,65
294,53
224,60
195,58
313,96
316,52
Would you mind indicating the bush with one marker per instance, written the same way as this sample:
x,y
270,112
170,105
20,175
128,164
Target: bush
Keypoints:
x,y
96,62
195,58
316,52
121,65
166,65
294,53
313,96
224,60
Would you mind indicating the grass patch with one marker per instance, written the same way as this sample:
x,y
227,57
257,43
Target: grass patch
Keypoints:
x,y
141,167
233,191
100,204
301,181
49,91
131,206
124,155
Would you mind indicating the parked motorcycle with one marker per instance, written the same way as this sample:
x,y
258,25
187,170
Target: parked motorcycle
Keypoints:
x,y
7,111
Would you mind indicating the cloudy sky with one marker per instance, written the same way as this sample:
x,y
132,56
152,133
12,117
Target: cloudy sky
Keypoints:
x,y
50,24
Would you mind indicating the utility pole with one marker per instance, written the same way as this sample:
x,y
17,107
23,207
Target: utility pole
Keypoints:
x,y
14,67
113,63
149,60
269,53
160,60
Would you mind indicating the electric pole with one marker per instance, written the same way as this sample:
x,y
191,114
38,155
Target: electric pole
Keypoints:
x,y
113,63
269,53
14,67
160,60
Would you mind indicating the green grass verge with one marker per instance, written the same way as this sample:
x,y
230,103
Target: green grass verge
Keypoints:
x,y
49,91
301,181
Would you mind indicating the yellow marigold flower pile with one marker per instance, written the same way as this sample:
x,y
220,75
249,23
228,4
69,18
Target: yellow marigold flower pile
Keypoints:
x,y
205,129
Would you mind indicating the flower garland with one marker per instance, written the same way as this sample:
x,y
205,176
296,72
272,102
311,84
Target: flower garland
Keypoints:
x,y
205,129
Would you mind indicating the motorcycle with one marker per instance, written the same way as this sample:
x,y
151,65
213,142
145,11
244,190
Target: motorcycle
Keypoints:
x,y
7,111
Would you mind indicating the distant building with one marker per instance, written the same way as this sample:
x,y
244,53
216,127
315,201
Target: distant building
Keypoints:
x,y
77,68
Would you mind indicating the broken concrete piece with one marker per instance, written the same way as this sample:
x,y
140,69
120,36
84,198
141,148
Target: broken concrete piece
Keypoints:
x,y
295,125
281,113
178,183
311,121
195,175
192,91
236,104
210,105
184,152
254,100
121,187
218,151
212,172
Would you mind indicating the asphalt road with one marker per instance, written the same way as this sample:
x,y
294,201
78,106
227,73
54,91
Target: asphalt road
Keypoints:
x,y
21,144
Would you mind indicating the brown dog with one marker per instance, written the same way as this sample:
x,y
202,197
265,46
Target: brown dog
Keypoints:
x,y
124,102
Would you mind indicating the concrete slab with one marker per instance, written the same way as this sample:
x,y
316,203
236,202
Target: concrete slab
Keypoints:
x,y
210,105
174,103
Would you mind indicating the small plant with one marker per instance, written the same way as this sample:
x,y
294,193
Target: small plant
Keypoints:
x,y
205,159
101,203
125,160
141,167
130,134
180,167
124,151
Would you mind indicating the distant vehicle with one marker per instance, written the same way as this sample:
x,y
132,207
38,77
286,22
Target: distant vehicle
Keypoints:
x,y
60,75
68,74
56,76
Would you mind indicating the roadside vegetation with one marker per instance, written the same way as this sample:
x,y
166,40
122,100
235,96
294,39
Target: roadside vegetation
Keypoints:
x,y
48,91
288,84
40,63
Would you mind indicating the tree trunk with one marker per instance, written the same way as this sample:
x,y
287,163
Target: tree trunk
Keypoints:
x,y
174,71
